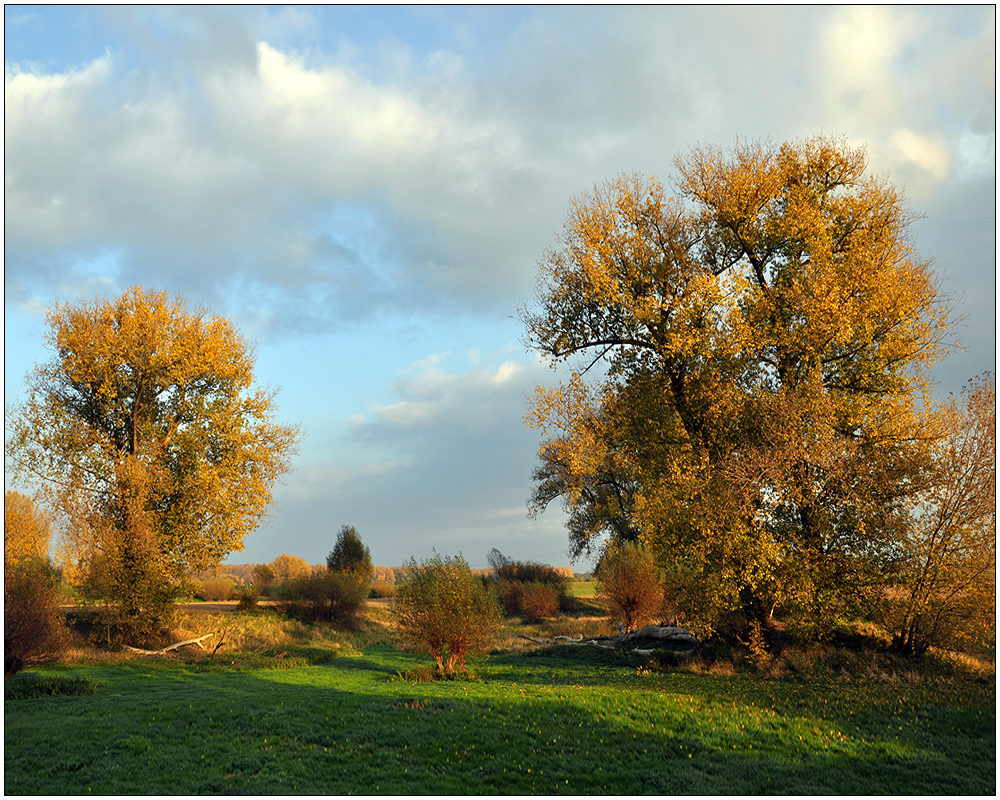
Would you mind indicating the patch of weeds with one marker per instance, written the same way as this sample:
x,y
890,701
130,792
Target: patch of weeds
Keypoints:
x,y
424,704
431,674
270,658
136,744
72,764
244,764
27,686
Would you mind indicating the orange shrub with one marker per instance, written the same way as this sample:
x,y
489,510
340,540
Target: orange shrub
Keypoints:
x,y
539,600
34,628
383,588
630,585
215,589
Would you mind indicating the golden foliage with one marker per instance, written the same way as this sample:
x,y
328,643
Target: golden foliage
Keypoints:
x,y
148,434
286,568
26,529
764,342
950,544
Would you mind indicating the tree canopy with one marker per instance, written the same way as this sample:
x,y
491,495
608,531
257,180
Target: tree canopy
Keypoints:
x,y
27,531
350,554
146,432
752,359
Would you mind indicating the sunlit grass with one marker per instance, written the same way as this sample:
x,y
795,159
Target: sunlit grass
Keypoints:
x,y
569,719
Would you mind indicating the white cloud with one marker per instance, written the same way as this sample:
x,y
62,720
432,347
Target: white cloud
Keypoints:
x,y
931,156
28,93
505,372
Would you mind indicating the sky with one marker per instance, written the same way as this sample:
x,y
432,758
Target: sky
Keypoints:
x,y
366,192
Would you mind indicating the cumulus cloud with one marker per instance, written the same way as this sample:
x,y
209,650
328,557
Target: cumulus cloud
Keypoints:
x,y
383,173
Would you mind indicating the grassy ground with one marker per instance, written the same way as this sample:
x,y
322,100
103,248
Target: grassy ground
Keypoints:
x,y
288,708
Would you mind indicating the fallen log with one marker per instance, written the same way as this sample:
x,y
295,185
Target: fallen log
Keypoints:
x,y
663,632
167,649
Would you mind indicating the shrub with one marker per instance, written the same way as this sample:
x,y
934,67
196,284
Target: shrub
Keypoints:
x,y
246,598
263,578
539,600
324,597
444,609
510,596
512,578
34,629
630,584
137,597
215,589
383,588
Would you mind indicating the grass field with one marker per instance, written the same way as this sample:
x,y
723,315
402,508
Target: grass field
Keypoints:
x,y
331,713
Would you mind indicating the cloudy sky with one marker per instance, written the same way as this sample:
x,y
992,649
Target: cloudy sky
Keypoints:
x,y
366,191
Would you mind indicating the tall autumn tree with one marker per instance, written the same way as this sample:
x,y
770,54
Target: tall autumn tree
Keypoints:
x,y
147,433
763,340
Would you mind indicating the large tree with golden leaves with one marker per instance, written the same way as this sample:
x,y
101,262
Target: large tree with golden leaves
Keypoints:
x,y
762,341
147,433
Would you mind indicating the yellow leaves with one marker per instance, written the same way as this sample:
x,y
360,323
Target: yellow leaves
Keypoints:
x,y
763,347
148,411
26,529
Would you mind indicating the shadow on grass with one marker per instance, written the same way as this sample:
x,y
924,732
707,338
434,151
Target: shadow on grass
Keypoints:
x,y
537,725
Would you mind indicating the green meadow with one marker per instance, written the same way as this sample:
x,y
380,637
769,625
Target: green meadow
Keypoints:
x,y
326,713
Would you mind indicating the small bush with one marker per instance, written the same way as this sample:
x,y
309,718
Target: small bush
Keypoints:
x,y
383,588
325,597
215,589
510,596
246,598
30,686
263,578
538,601
630,585
34,628
444,609
513,577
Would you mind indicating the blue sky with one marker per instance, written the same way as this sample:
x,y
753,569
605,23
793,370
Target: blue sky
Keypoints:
x,y
365,192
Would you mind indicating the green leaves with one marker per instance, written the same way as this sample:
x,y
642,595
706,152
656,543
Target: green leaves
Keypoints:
x,y
441,607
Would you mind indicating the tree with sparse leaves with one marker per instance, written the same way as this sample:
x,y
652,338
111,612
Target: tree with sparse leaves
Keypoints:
x,y
764,339
630,584
949,567
146,432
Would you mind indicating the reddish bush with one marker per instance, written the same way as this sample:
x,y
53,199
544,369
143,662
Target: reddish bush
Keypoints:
x,y
538,601
630,585
510,596
34,629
